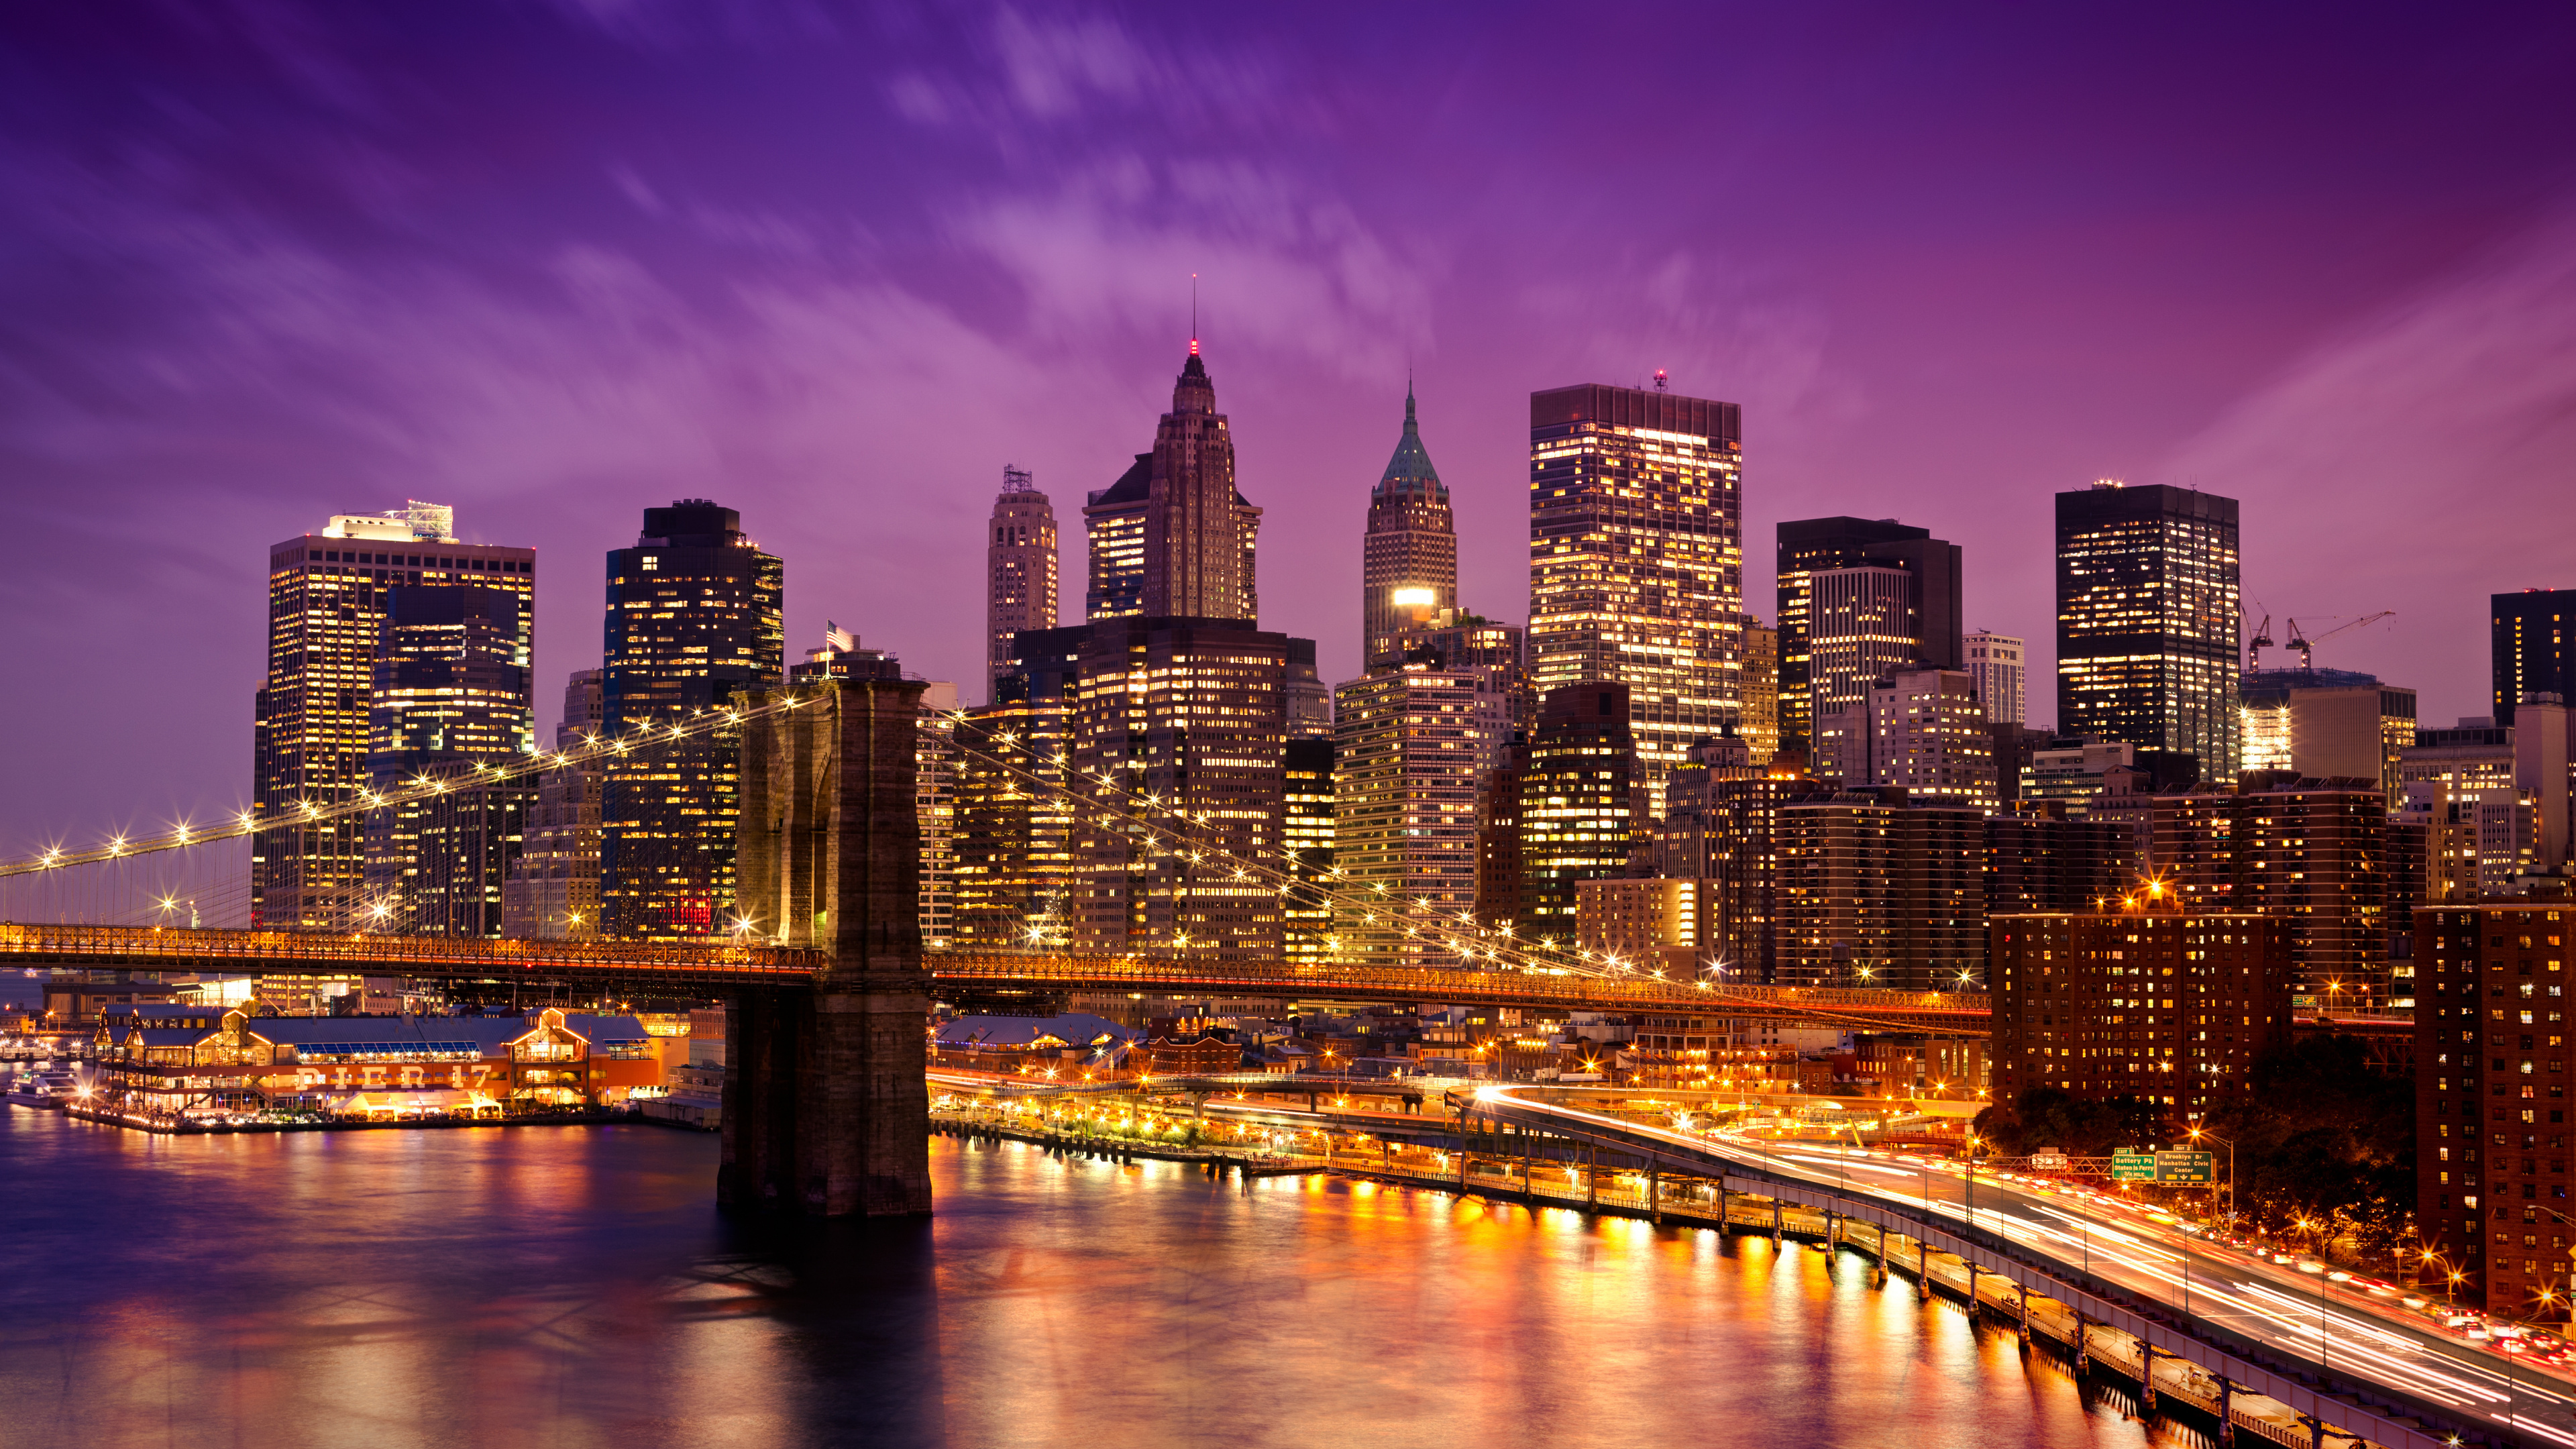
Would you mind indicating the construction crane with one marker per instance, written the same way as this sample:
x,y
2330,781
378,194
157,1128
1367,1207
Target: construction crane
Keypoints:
x,y
2307,647
2261,641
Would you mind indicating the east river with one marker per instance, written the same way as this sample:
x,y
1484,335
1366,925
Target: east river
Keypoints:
x,y
572,1287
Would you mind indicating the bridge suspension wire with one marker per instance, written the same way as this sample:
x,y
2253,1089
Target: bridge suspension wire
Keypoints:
x,y
204,886
247,824
1467,939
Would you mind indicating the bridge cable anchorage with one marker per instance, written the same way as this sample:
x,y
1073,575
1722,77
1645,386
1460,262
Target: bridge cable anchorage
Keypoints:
x,y
361,799
1462,934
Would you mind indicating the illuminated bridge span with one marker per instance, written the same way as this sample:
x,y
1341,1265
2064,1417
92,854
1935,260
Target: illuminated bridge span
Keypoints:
x,y
314,953
673,968
1540,988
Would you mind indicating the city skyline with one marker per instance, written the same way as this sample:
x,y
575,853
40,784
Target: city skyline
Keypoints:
x,y
1972,743
829,396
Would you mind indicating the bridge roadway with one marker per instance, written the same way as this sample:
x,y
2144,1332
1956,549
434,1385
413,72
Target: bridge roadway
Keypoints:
x,y
647,967
2269,1331
1869,1009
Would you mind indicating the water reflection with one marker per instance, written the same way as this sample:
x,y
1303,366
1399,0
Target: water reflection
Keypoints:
x,y
572,1287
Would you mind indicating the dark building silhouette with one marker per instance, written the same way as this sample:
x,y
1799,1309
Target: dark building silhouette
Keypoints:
x,y
695,622
1927,633
2039,859
1581,803
1306,909
2533,632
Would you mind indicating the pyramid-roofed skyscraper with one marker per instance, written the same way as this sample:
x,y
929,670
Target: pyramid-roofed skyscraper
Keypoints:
x,y
1409,560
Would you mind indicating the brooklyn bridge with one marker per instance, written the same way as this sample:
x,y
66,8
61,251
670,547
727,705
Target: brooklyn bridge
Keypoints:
x,y
826,1107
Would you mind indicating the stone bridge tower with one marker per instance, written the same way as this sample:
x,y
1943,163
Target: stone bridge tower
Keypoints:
x,y
826,1113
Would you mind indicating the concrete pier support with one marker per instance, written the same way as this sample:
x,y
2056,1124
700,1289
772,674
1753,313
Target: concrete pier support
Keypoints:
x,y
826,1112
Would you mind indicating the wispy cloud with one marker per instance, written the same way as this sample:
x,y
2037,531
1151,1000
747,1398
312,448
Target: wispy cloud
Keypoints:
x,y
2420,460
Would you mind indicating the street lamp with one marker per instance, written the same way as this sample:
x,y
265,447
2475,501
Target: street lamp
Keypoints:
x,y
2198,1133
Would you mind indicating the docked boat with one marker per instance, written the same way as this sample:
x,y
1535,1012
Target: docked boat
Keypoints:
x,y
40,1090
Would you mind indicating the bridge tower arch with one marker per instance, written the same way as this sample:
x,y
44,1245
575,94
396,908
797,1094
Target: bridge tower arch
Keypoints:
x,y
826,1112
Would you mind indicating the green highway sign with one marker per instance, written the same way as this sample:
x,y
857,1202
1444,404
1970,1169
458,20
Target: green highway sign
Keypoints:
x,y
2185,1167
2133,1167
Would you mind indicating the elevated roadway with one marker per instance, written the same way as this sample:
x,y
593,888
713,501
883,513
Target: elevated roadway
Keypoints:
x,y
2267,1330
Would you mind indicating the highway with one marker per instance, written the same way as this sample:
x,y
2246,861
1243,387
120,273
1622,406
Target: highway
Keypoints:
x,y
2116,1244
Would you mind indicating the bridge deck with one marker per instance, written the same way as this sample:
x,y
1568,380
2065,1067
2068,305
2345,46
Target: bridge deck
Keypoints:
x,y
635,965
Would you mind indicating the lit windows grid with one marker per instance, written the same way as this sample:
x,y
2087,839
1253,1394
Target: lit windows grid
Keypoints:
x,y
1637,576
327,603
2148,614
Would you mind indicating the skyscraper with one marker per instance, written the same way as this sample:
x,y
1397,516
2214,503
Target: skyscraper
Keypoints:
x,y
1184,715
1409,557
1408,746
1014,861
1113,520
1019,570
554,887
1922,729
328,596
1930,627
2532,636
450,696
1637,560
2147,616
1760,727
1306,910
1454,640
1995,660
1198,530
695,621
1174,536
1861,626
1582,803
2326,723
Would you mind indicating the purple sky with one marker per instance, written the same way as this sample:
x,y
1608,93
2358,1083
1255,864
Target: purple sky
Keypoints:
x,y
835,266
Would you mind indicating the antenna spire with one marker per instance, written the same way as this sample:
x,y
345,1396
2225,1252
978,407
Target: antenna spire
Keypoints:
x,y
1194,314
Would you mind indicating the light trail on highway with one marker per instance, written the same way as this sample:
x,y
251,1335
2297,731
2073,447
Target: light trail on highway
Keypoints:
x,y
2203,1283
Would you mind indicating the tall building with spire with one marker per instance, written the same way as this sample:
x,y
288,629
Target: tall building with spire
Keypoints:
x,y
1409,558
1173,537
1019,571
1198,529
